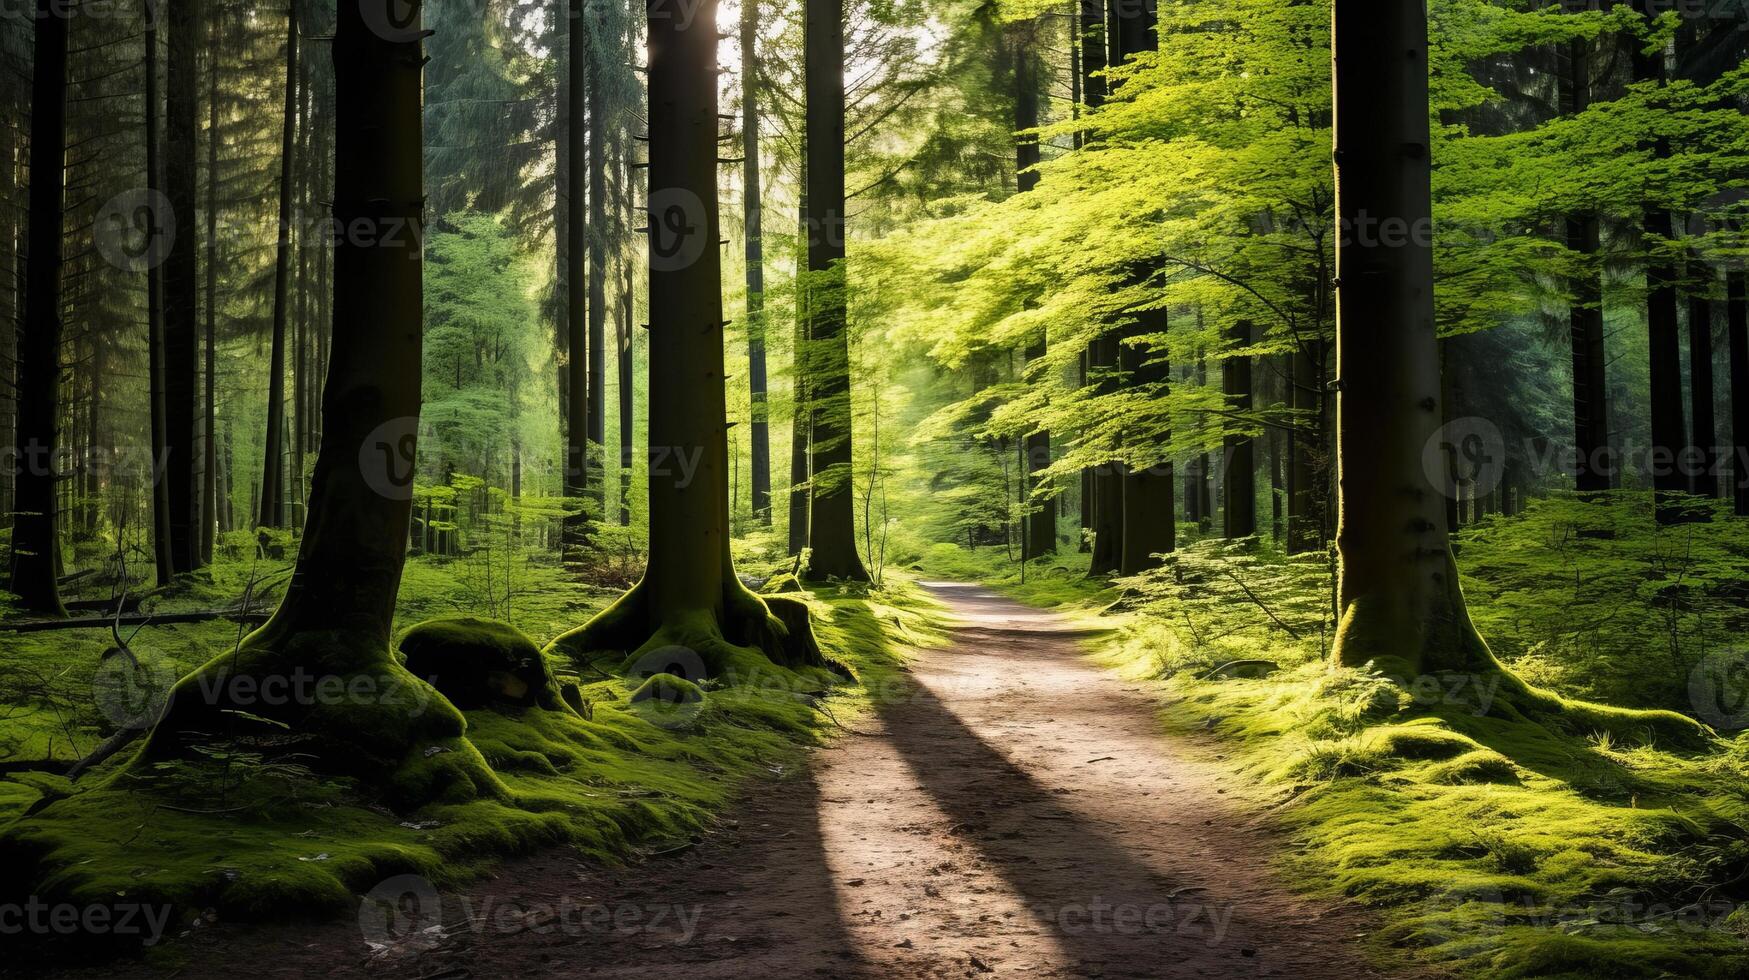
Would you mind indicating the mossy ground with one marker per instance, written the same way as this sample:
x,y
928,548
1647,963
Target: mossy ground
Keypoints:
x,y
1494,834
251,832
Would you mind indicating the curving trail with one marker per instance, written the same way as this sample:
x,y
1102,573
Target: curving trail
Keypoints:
x,y
1018,813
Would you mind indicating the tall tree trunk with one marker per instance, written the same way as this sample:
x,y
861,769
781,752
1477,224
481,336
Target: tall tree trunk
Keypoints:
x,y
753,223
182,284
303,395
1737,309
1108,477
1398,595
1128,30
12,288
1240,514
336,616
598,237
1585,317
1146,494
1305,528
689,596
273,492
802,417
163,561
36,540
209,496
1150,524
1093,91
1041,509
576,273
832,534
1669,432
1704,459
627,335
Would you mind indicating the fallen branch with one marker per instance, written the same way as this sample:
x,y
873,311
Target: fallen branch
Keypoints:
x,y
138,619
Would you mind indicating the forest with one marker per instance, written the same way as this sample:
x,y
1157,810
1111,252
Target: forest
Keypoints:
x,y
874,488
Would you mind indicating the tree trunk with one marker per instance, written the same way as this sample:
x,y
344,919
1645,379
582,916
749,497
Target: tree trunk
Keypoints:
x,y
303,395
36,540
1240,515
1305,529
1398,595
627,381
1108,509
1146,496
1040,535
182,285
163,562
1669,432
1585,317
752,205
1737,308
1093,91
273,492
832,534
802,417
209,495
576,274
335,619
689,597
1705,457
598,237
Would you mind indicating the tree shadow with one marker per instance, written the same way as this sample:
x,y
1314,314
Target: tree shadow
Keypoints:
x,y
1104,909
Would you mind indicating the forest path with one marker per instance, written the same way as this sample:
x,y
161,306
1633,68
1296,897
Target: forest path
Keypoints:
x,y
1017,812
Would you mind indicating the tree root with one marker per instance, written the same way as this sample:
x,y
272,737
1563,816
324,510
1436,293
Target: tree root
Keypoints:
x,y
752,633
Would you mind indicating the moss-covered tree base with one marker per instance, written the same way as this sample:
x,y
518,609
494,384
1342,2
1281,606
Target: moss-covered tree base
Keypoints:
x,y
338,703
741,644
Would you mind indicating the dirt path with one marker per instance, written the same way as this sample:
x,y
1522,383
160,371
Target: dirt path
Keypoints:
x,y
1019,814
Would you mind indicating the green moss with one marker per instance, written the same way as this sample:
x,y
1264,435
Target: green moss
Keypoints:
x,y
255,833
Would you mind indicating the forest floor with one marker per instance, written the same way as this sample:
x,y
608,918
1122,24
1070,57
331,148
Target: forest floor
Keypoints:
x,y
1010,809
